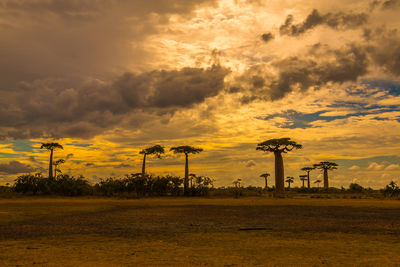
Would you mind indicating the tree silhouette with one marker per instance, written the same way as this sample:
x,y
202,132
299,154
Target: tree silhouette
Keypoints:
x,y
289,180
303,178
154,150
317,182
56,164
51,147
265,175
326,165
308,169
186,150
279,146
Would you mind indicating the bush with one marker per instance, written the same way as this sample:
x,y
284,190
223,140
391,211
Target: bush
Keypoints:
x,y
356,188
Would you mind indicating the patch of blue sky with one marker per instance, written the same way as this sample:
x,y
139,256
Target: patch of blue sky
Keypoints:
x,y
390,86
364,162
11,156
21,145
80,145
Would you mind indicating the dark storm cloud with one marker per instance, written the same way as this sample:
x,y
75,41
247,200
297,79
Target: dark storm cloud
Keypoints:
x,y
266,37
339,20
321,66
48,107
385,5
14,167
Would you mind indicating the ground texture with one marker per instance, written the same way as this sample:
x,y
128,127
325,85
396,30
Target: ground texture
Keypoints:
x,y
199,232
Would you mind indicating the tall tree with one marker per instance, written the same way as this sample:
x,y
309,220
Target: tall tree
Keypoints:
x,y
186,150
308,169
303,178
278,147
51,147
265,175
156,150
325,166
289,180
56,164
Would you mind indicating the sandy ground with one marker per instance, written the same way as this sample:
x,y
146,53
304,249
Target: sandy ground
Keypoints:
x,y
199,232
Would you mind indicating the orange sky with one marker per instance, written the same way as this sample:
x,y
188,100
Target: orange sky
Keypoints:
x,y
108,78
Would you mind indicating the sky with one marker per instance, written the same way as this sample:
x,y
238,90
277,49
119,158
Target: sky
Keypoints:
x,y
108,78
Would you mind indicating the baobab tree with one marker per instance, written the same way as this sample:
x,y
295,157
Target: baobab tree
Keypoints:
x,y
289,180
56,164
186,150
303,178
317,182
326,165
51,147
156,150
279,146
265,175
308,169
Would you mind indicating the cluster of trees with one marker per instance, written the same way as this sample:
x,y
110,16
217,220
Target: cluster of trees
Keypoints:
x,y
137,185
284,145
142,184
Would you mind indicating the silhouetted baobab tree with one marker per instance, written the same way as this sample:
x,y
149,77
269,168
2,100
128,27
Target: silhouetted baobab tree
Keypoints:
x,y
308,169
326,165
56,164
303,178
51,147
154,150
186,150
265,175
279,146
289,180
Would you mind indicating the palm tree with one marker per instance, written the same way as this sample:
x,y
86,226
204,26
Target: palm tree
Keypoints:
x,y
186,150
51,147
308,169
303,178
265,175
326,165
154,150
317,182
56,164
279,146
289,180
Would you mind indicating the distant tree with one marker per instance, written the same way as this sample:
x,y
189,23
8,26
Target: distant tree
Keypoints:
x,y
51,147
186,150
279,146
325,166
317,182
56,164
289,180
156,150
265,176
308,169
303,178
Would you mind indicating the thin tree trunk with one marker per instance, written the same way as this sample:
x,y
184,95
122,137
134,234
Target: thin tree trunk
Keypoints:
x,y
186,181
308,179
266,183
303,182
144,164
51,164
279,175
326,183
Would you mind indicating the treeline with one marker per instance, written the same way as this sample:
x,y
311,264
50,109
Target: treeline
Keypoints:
x,y
133,185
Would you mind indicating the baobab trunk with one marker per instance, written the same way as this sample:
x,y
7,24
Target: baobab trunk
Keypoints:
x,y
51,164
186,181
279,174
266,183
144,164
308,180
326,183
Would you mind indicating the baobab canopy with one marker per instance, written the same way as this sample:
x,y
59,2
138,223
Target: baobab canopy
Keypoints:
x,y
282,145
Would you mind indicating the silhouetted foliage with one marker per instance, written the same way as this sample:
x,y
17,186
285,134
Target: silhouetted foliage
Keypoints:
x,y
156,150
355,188
325,166
51,147
391,190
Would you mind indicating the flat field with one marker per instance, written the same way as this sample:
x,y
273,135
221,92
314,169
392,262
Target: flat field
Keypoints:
x,y
199,232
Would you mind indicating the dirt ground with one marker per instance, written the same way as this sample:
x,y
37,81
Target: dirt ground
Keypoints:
x,y
199,232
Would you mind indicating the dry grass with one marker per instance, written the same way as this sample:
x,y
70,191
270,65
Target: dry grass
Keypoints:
x,y
201,232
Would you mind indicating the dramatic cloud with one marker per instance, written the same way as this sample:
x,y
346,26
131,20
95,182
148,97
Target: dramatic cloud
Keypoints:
x,y
47,107
338,20
266,37
15,167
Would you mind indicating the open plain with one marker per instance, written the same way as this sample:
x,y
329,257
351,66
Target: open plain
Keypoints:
x,y
199,232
